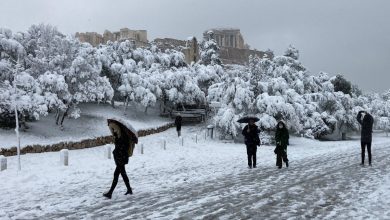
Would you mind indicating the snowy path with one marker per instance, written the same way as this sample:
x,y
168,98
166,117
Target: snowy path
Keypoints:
x,y
210,181
319,187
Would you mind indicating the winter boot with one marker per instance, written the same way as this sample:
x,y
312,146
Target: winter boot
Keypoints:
x,y
107,195
129,191
286,163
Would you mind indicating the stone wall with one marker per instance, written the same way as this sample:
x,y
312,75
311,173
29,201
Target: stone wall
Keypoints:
x,y
86,143
189,48
229,55
140,37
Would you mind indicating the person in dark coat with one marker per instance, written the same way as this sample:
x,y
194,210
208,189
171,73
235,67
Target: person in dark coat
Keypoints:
x,y
178,121
281,139
121,157
252,140
366,121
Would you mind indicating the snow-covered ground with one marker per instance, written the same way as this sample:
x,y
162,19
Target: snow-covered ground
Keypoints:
x,y
209,180
92,123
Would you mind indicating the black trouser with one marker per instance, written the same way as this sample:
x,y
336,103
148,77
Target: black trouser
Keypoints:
x,y
281,155
122,171
364,144
251,150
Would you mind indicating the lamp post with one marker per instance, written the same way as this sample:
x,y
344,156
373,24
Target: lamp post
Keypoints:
x,y
17,136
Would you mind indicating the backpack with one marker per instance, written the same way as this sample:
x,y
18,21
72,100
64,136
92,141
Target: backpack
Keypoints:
x,y
131,149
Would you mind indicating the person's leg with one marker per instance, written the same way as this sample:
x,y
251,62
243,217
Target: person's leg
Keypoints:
x,y
369,153
254,155
249,153
363,146
126,180
114,182
285,159
279,160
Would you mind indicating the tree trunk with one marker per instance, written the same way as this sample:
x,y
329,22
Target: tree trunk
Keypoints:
x,y
146,110
125,105
112,103
23,122
64,115
343,136
57,118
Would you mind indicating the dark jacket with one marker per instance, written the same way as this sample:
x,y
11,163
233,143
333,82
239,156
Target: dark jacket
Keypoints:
x,y
366,124
251,137
178,122
281,137
121,151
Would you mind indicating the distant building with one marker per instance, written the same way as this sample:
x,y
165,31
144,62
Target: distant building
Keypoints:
x,y
140,37
227,37
233,49
189,48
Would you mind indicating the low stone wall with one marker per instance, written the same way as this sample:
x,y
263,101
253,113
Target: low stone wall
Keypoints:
x,y
86,143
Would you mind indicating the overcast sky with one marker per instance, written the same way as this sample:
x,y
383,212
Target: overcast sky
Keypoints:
x,y
351,37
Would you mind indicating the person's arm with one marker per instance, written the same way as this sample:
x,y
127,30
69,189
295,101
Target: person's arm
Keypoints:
x,y
245,130
288,138
277,138
359,117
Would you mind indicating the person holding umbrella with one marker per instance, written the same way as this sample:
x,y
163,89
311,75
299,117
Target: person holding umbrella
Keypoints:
x,y
281,139
252,140
366,121
125,137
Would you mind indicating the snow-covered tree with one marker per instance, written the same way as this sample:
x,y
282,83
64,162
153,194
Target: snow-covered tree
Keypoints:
x,y
209,51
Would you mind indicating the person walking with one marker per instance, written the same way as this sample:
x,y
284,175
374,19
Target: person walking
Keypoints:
x,y
122,143
252,140
366,121
281,139
178,121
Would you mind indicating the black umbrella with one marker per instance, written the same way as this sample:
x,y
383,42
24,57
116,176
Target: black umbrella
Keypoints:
x,y
246,119
125,127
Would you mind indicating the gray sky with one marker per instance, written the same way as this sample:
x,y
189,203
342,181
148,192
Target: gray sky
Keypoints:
x,y
351,37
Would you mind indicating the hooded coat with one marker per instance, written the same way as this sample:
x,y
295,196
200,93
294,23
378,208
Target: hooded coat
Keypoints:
x,y
281,137
122,144
366,123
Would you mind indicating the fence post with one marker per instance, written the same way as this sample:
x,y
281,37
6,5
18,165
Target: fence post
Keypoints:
x,y
64,157
3,163
196,138
142,148
164,144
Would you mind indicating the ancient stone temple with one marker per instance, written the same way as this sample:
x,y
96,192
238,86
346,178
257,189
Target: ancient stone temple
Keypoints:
x,y
228,37
140,37
233,49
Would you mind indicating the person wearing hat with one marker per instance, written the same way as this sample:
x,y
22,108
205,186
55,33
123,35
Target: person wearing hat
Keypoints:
x,y
252,140
122,143
366,121
281,139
